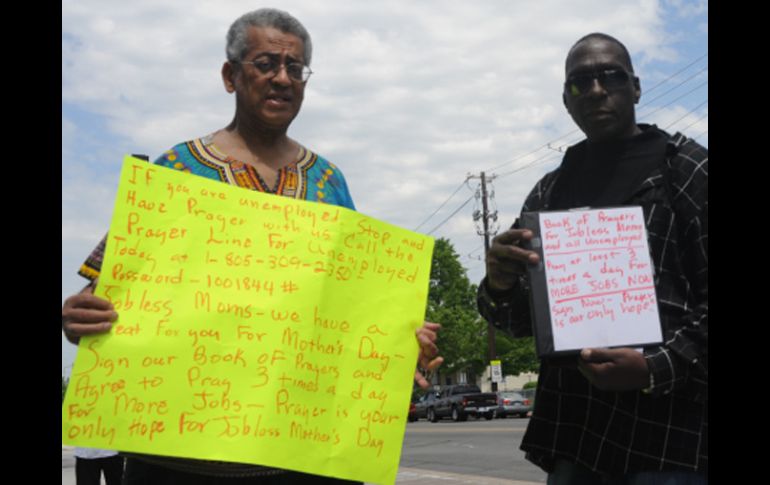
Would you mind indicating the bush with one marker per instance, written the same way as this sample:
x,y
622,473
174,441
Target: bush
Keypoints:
x,y
530,385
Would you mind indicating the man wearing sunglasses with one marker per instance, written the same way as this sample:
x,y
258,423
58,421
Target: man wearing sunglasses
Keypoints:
x,y
619,416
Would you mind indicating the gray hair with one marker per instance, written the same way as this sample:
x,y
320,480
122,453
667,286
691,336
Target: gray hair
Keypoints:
x,y
237,36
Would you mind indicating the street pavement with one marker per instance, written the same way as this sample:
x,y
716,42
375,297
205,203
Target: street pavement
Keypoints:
x,y
68,465
406,475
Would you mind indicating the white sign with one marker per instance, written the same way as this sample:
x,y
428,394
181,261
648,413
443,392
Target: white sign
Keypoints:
x,y
601,291
497,371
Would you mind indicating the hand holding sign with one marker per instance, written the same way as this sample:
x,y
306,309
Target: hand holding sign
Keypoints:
x,y
507,259
86,314
428,358
594,287
622,369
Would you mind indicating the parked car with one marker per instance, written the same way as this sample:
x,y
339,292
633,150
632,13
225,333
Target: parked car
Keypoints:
x,y
463,400
512,403
412,416
424,403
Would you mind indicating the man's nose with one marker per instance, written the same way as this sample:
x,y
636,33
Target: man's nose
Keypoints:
x,y
282,75
596,88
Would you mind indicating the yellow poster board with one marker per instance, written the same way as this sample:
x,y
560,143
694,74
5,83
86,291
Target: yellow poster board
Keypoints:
x,y
253,328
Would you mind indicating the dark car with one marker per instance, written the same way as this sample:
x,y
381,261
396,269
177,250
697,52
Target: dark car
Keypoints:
x,y
424,403
512,403
417,396
461,401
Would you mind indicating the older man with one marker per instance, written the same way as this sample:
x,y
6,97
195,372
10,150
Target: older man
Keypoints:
x,y
267,69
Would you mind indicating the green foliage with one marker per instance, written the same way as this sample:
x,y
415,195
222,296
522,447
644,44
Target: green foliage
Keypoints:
x,y
530,385
463,337
517,354
452,303
449,285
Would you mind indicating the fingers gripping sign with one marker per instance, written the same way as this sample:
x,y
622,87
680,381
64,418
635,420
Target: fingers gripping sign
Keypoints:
x,y
623,369
507,259
428,358
86,314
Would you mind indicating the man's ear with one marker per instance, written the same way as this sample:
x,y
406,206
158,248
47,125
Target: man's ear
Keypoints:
x,y
637,90
228,76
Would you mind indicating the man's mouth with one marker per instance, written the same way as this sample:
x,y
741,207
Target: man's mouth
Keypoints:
x,y
600,114
278,98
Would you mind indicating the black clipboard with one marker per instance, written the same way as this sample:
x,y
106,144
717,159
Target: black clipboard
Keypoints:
x,y
542,324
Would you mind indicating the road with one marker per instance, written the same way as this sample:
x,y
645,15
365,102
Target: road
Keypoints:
x,y
447,453
475,448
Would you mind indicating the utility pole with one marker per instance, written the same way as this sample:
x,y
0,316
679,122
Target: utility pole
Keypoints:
x,y
485,216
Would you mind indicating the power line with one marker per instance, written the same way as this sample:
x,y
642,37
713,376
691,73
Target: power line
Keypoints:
x,y
451,215
700,135
673,100
475,258
442,204
545,158
648,101
676,73
546,145
694,122
686,115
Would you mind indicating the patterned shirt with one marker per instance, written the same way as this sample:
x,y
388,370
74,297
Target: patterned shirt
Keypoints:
x,y
617,433
310,177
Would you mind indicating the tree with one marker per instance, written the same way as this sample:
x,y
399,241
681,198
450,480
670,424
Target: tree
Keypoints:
x,y
517,354
463,337
452,303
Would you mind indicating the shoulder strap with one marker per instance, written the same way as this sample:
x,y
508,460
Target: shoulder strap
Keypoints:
x,y
672,145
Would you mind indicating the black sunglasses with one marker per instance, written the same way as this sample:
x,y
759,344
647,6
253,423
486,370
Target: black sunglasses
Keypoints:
x,y
611,79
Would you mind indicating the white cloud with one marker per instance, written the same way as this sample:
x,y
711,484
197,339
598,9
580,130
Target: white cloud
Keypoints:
x,y
688,8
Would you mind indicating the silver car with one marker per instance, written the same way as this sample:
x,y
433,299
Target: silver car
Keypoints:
x,y
512,403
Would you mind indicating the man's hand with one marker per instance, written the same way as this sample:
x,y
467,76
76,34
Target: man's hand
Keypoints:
x,y
506,259
615,369
86,314
428,358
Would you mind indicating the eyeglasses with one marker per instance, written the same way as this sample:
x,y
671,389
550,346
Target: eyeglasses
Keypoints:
x,y
270,66
611,79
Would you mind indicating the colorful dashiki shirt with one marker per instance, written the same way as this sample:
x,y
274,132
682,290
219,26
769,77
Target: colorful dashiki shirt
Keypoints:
x,y
310,177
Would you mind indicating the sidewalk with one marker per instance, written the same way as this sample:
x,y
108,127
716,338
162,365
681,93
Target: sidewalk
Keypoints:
x,y
68,465
406,476
430,477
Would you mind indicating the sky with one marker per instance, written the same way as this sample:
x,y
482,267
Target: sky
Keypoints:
x,y
407,98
